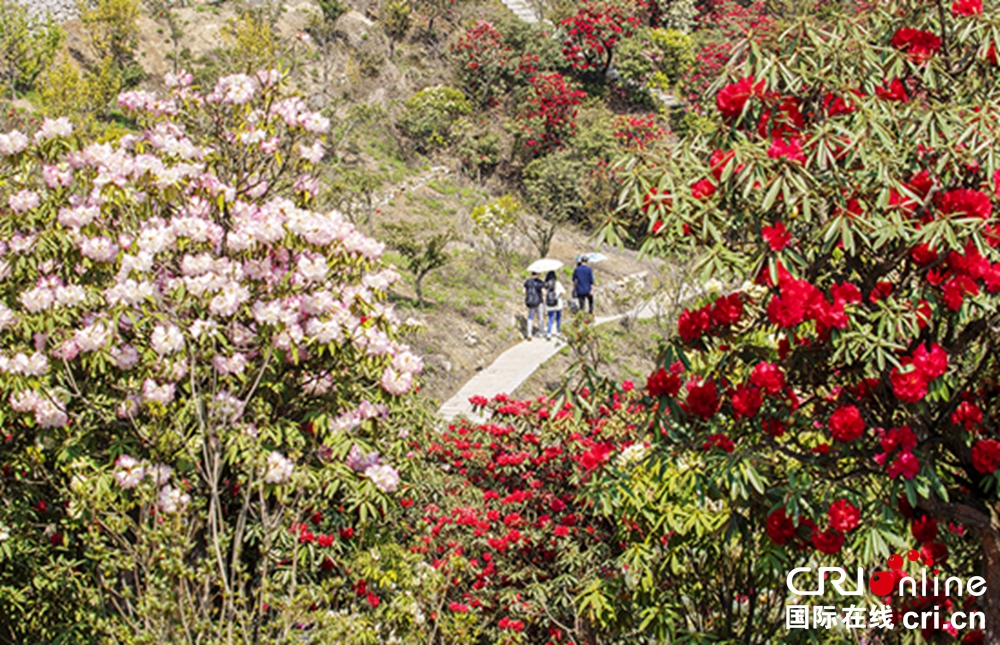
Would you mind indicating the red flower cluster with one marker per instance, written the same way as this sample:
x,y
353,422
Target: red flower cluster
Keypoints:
x,y
986,456
720,441
724,312
922,367
732,99
593,31
905,462
480,57
702,399
719,161
664,383
846,424
967,7
919,45
892,91
829,541
800,301
776,236
780,527
552,110
844,516
964,202
637,132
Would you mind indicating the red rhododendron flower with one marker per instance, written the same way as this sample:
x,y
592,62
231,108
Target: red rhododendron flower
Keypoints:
x,y
924,529
780,527
746,401
834,105
692,325
663,383
768,377
986,456
919,45
777,237
732,98
727,310
829,541
458,608
967,7
903,438
932,361
718,162
905,464
956,289
893,91
791,150
702,399
844,516
909,386
967,415
934,553
845,292
702,188
923,254
846,423
964,202
595,456
720,441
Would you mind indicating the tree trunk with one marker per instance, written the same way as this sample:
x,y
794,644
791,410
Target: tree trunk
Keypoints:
x,y
420,292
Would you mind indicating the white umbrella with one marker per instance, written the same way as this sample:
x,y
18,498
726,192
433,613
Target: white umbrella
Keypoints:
x,y
545,265
593,257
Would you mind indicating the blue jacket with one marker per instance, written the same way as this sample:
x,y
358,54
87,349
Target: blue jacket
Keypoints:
x,y
583,278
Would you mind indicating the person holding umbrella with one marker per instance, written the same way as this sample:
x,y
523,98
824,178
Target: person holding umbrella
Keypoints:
x,y
583,284
554,292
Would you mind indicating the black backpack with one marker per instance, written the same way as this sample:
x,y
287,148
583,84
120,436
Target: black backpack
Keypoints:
x,y
551,299
533,293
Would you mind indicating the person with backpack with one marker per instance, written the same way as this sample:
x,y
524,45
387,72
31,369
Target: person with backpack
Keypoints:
x,y
533,300
554,292
583,284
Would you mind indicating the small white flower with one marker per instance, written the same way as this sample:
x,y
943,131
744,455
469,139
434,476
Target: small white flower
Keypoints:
x,y
93,337
173,500
130,472
395,383
279,468
385,477
151,391
167,339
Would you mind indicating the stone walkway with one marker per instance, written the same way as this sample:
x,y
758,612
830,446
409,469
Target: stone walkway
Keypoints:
x,y
522,10
514,366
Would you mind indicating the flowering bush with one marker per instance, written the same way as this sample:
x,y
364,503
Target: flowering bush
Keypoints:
x,y
514,531
862,353
481,58
548,118
197,370
595,28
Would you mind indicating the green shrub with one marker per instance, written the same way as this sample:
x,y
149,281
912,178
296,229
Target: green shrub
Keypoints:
x,y
429,116
26,47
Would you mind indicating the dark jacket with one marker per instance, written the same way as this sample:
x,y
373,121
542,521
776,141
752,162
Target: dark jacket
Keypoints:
x,y
583,278
533,292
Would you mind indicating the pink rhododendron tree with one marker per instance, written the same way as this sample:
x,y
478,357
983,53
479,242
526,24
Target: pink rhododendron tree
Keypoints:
x,y
848,200
197,370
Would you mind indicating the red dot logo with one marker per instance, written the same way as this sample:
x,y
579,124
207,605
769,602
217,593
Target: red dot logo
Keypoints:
x,y
881,583
895,561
